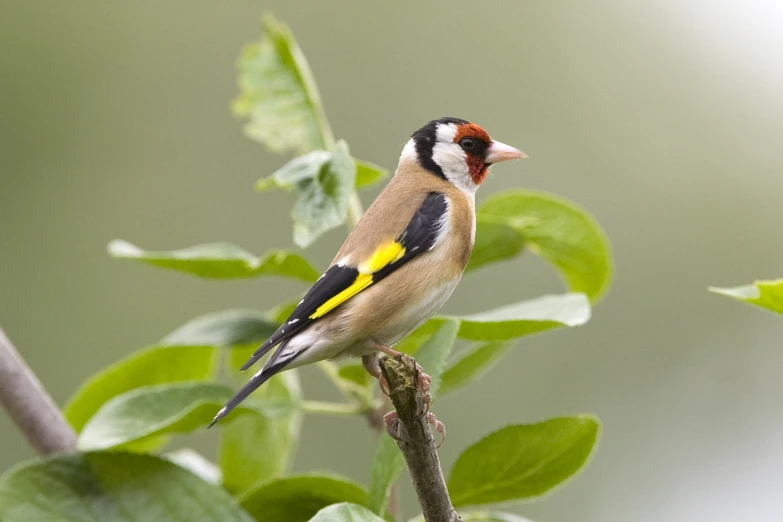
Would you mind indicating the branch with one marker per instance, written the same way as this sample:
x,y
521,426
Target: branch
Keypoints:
x,y
29,405
415,439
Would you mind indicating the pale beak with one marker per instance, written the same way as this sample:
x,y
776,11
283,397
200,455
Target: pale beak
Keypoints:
x,y
501,152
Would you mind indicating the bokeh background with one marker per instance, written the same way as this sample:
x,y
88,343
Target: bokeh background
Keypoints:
x,y
663,118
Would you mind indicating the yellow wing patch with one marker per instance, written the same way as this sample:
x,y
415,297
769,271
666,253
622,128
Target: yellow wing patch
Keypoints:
x,y
383,256
362,282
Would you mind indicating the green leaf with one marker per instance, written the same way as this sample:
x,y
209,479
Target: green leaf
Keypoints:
x,y
355,373
219,261
253,448
524,461
196,463
368,173
298,498
301,169
764,294
471,364
112,487
146,367
558,230
345,512
162,409
323,200
433,354
386,465
525,318
324,182
256,448
387,461
278,95
419,336
224,329
494,242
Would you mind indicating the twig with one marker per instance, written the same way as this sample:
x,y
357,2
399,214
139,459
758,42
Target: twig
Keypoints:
x,y
30,406
415,439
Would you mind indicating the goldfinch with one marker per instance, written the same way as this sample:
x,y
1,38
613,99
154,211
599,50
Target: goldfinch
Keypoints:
x,y
401,262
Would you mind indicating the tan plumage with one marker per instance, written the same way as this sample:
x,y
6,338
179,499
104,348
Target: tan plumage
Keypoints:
x,y
393,208
401,262
388,312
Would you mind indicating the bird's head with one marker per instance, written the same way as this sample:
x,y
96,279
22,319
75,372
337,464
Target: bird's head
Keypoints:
x,y
457,150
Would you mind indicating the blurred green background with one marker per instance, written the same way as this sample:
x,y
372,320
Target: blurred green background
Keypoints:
x,y
663,118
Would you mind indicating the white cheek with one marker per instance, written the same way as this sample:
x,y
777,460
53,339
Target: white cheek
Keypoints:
x,y
452,160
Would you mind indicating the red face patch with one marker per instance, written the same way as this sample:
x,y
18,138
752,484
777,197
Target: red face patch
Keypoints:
x,y
472,130
475,160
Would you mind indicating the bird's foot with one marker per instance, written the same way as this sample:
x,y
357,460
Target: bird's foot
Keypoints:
x,y
370,363
392,423
388,350
438,426
424,382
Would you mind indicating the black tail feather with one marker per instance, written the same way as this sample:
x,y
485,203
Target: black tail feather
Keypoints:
x,y
275,365
260,352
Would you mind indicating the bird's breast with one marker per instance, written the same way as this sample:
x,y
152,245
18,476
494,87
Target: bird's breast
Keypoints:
x,y
418,311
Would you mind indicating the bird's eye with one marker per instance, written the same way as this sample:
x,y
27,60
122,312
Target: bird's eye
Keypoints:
x,y
467,143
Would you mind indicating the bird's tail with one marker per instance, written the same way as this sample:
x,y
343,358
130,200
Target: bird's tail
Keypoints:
x,y
260,352
277,363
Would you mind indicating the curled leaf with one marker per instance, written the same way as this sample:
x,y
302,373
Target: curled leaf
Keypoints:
x,y
525,318
163,409
278,95
558,230
219,261
324,182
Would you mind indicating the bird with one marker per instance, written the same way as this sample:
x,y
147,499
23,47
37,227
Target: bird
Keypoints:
x,y
400,263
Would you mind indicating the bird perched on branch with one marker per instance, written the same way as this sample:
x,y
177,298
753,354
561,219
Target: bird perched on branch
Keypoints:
x,y
401,262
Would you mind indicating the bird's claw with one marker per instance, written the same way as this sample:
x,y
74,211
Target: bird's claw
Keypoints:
x,y
439,427
391,422
424,382
383,384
